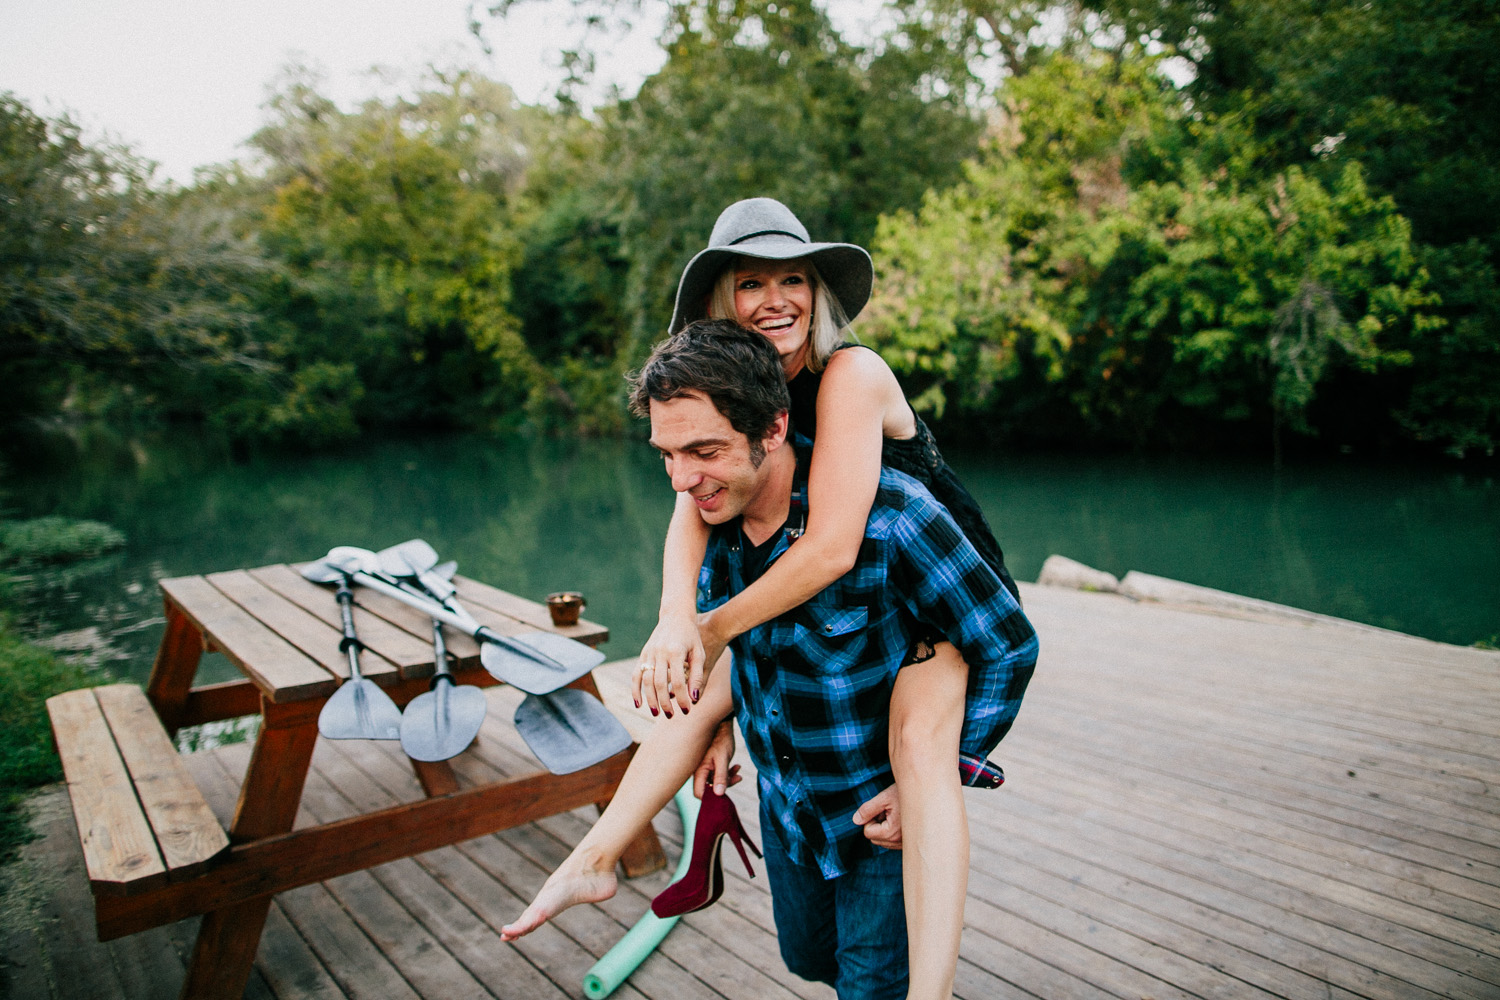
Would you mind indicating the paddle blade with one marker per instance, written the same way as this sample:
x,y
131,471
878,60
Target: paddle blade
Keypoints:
x,y
360,711
443,722
569,730
570,660
409,558
322,572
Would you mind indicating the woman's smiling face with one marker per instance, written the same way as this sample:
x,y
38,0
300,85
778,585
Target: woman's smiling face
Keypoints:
x,y
775,297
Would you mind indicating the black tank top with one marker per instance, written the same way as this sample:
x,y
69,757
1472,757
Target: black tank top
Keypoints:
x,y
918,457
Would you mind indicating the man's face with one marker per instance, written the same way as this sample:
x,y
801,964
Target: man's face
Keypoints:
x,y
705,456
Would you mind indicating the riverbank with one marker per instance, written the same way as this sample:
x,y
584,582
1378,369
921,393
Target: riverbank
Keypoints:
x,y
1202,801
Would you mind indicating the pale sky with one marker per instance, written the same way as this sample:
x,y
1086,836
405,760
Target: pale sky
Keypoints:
x,y
182,81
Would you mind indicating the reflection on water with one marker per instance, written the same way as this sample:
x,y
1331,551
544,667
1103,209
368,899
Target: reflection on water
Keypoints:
x,y
531,517
1411,549
1416,549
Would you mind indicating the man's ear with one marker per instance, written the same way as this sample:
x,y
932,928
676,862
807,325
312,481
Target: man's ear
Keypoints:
x,y
776,436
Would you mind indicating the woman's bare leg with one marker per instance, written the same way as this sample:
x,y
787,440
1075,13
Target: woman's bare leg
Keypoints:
x,y
927,711
665,760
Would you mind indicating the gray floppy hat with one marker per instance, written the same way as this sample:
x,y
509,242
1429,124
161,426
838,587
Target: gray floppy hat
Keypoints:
x,y
765,228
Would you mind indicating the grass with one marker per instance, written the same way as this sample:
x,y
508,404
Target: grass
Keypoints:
x,y
48,540
29,675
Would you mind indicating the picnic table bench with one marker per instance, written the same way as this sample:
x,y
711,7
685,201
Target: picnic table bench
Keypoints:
x,y
154,851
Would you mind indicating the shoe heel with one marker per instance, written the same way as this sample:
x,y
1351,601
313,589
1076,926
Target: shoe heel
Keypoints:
x,y
739,845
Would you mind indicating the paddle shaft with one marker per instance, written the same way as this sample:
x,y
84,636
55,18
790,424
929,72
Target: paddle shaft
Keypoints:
x,y
351,642
448,617
440,655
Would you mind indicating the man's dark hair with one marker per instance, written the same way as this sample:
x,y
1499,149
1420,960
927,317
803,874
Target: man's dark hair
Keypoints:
x,y
736,368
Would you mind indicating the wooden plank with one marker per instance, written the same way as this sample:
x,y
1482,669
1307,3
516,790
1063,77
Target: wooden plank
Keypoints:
x,y
472,941
420,958
187,834
348,954
280,670
78,967
437,777
750,927
301,628
272,786
289,965
224,952
1346,876
119,850
217,702
395,645
1286,904
277,863
417,627
1405,839
496,882
175,665
482,595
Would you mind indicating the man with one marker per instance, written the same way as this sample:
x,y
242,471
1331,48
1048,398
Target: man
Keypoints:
x,y
811,689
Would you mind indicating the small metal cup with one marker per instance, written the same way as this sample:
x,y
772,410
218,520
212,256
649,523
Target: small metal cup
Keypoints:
x,y
565,606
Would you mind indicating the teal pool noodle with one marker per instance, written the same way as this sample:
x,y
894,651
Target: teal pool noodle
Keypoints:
x,y
616,965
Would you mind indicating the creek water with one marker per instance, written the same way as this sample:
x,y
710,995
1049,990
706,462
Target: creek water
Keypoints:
x,y
1412,548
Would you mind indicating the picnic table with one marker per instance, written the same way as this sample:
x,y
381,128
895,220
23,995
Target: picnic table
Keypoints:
x,y
154,851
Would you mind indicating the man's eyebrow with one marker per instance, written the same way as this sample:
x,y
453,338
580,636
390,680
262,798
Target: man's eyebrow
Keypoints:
x,y
697,445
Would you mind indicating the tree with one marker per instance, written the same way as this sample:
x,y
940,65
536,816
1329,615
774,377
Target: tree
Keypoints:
x,y
124,294
396,228
1135,261
765,99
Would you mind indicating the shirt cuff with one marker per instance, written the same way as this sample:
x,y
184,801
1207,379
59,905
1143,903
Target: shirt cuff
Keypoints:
x,y
976,772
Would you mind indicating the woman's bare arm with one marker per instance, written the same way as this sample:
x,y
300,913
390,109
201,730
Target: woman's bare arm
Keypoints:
x,y
859,403
674,648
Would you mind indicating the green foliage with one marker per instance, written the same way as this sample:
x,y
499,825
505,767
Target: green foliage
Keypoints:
x,y
54,539
392,223
765,99
29,676
107,285
1450,396
1304,237
1215,292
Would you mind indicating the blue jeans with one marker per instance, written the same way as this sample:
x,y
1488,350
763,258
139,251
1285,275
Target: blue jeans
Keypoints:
x,y
849,931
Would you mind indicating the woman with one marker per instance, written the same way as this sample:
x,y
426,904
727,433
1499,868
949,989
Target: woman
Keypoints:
x,y
762,270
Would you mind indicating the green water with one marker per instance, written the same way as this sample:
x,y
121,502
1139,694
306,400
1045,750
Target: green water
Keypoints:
x,y
1414,549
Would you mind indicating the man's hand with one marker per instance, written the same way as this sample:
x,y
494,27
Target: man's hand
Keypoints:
x,y
881,818
715,767
671,662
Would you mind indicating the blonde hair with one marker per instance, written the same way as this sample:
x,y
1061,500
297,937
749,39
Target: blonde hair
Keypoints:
x,y
827,328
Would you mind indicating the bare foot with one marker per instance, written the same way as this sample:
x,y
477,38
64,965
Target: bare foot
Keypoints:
x,y
578,880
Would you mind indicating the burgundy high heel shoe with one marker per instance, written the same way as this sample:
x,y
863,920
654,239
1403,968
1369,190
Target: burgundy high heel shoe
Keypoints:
x,y
703,882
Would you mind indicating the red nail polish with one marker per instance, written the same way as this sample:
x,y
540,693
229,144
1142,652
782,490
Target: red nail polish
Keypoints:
x,y
695,696
653,709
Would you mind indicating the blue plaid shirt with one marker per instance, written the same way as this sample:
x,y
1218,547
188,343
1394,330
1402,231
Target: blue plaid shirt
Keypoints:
x,y
812,688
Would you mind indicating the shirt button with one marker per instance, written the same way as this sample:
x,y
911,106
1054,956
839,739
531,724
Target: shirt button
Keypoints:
x,y
827,628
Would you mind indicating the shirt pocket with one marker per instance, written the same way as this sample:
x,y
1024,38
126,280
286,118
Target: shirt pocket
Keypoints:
x,y
830,639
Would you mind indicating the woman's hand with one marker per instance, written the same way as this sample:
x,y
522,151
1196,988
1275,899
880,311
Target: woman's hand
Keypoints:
x,y
671,666
715,767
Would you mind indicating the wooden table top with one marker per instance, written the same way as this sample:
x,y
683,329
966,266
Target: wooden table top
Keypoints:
x,y
283,631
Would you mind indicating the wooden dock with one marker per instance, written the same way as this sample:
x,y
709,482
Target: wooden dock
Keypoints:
x,y
1201,804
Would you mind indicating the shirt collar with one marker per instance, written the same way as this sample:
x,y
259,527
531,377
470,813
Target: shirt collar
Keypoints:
x,y
732,531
